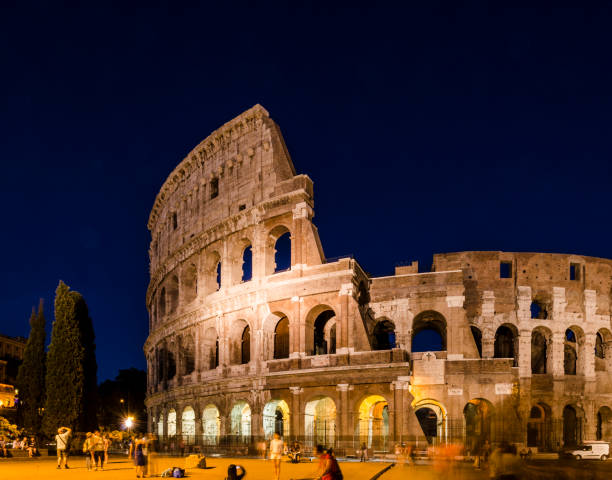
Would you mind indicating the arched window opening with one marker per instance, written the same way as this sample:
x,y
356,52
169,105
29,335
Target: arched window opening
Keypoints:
x,y
160,425
210,350
572,427
477,336
188,355
428,420
599,346
246,345
173,294
211,425
384,335
374,422
282,253
428,332
320,422
281,338
538,310
276,419
539,428
188,426
325,333
218,275
570,354
190,283
539,353
504,346
162,303
171,365
478,414
240,420
604,424
247,264
172,423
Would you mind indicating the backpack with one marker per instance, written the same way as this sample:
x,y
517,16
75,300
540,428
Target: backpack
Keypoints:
x,y
178,472
167,472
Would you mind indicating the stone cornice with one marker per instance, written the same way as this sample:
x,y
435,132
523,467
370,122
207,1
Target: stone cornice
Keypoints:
x,y
217,141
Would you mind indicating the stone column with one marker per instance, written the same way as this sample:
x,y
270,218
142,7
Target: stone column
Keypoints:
x,y
297,414
488,343
295,322
558,339
456,329
397,412
524,353
342,319
302,213
587,352
344,433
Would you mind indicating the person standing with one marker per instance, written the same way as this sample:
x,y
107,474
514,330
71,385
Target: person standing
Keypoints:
x,y
62,439
97,445
106,442
364,453
87,450
140,459
276,453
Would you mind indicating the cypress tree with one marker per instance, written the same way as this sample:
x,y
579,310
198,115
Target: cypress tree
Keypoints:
x,y
71,365
31,375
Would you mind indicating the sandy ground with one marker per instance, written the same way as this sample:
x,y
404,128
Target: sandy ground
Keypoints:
x,y
120,468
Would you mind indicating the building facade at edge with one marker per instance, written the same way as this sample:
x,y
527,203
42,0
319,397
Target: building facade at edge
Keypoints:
x,y
253,330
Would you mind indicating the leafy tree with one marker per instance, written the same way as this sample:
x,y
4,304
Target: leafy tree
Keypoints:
x,y
71,366
31,376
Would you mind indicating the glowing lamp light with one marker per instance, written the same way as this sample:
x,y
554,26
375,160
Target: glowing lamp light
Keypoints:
x,y
129,421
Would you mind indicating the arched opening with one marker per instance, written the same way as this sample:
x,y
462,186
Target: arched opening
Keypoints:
x,y
240,342
428,332
572,426
539,427
384,335
218,275
320,422
281,338
211,425
478,414
246,345
505,342
162,303
240,419
278,250
477,336
374,422
603,355
570,352
604,424
432,420
160,425
210,349
187,353
276,418
539,351
599,346
325,333
172,423
173,294
190,283
188,426
170,364
247,264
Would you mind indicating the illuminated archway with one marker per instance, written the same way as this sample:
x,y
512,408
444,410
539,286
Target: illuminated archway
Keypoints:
x,y
276,418
172,423
211,425
320,422
374,422
188,425
160,425
241,422
432,419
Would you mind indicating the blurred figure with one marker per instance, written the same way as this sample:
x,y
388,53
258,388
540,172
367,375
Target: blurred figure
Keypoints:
x,y
364,453
504,464
106,442
152,448
87,450
233,474
295,452
276,453
140,460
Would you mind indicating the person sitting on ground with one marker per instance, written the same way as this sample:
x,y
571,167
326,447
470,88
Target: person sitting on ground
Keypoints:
x,y
330,468
232,472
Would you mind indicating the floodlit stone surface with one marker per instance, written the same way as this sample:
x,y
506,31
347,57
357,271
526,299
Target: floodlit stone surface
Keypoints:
x,y
242,344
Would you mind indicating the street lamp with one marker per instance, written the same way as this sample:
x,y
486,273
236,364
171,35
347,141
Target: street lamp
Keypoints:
x,y
129,421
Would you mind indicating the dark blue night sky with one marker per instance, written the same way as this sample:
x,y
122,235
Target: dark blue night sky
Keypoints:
x,y
450,126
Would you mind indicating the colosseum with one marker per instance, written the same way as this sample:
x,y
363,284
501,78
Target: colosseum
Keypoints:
x,y
253,330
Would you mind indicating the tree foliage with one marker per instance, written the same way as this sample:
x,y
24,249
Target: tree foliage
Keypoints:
x,y
31,376
71,366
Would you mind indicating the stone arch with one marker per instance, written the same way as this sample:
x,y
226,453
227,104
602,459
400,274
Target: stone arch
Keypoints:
x,y
506,342
478,416
211,425
432,416
173,294
276,333
247,263
540,427
162,303
240,352
383,335
374,422
320,421
210,349
429,330
541,354
187,354
277,257
188,428
276,419
573,419
603,350
212,272
321,330
572,350
189,280
240,422
603,424
477,336
171,427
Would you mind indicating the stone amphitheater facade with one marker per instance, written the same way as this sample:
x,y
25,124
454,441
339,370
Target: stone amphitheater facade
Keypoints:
x,y
240,347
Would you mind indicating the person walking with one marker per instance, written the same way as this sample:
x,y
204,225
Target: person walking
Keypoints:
x,y
140,460
276,453
62,440
98,450
87,444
